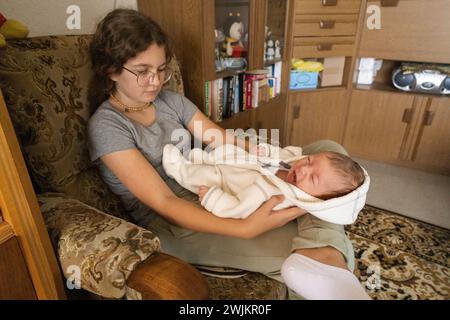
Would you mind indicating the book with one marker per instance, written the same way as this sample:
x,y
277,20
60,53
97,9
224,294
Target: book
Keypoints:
x,y
216,105
251,100
333,71
208,98
277,74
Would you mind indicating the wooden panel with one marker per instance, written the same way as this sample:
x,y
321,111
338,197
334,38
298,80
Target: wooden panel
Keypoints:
x,y
6,232
241,120
15,282
433,144
325,25
21,210
256,30
414,30
374,124
317,6
316,115
271,115
189,25
317,47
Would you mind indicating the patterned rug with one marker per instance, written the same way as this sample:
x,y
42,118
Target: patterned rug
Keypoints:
x,y
396,258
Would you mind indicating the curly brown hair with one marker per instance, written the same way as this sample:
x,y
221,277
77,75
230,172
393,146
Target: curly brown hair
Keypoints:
x,y
120,36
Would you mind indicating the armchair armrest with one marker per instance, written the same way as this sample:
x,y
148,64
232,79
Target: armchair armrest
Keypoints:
x,y
163,277
99,252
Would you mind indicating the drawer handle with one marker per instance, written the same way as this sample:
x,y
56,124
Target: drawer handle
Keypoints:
x,y
324,46
326,24
327,3
407,115
389,3
428,118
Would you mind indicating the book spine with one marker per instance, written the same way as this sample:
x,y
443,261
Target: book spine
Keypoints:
x,y
248,93
241,92
220,102
255,93
207,110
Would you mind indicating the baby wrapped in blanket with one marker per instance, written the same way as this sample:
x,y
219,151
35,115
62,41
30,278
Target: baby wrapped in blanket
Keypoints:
x,y
233,183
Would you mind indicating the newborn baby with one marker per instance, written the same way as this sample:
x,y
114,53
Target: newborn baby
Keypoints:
x,y
231,188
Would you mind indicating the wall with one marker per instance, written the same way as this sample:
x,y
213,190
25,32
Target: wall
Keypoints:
x,y
48,17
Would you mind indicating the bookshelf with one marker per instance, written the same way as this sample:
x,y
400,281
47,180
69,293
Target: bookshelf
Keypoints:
x,y
192,26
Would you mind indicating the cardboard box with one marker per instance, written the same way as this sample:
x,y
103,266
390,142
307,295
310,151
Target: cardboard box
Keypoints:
x,y
333,71
303,80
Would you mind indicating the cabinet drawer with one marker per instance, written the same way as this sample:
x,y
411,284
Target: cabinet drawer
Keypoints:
x,y
413,30
326,6
325,25
323,47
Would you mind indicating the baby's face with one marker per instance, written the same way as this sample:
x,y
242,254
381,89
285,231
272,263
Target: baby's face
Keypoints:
x,y
314,175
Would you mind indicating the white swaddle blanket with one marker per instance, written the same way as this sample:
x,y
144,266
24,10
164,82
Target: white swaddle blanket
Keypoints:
x,y
239,182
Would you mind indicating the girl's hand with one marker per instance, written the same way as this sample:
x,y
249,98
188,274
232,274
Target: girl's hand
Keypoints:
x,y
265,219
202,190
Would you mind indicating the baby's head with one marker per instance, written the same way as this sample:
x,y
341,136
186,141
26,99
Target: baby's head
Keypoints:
x,y
326,175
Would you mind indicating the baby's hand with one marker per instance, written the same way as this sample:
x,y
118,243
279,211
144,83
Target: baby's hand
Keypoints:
x,y
202,190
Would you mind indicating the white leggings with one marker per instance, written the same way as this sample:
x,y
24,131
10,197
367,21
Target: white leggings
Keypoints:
x,y
318,281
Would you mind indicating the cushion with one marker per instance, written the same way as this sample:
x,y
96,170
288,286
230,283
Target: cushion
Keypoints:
x,y
45,84
95,248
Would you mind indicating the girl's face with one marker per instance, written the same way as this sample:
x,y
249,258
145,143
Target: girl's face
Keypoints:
x,y
129,91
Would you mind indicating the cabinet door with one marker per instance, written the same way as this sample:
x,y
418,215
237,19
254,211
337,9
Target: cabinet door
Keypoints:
x,y
316,115
433,144
378,124
15,281
413,30
241,120
270,116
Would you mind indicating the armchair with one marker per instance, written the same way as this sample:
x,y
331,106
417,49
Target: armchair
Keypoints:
x,y
45,81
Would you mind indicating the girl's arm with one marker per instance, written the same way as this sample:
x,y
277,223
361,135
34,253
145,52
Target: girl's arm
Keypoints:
x,y
212,134
141,179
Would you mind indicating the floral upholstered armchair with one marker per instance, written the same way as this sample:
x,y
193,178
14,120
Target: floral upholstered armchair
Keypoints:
x,y
45,83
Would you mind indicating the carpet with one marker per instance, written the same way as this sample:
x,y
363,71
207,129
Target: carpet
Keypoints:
x,y
396,258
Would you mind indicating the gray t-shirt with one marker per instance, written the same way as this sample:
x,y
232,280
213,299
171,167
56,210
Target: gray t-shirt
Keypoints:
x,y
109,131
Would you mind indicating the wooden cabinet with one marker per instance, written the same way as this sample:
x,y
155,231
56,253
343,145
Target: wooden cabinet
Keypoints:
x,y
399,128
316,115
411,30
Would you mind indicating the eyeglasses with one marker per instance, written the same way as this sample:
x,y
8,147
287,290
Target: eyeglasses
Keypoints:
x,y
145,77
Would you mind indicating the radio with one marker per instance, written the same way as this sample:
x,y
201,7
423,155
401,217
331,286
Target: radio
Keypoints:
x,y
428,78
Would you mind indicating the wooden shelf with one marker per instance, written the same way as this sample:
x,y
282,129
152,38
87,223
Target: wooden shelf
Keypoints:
x,y
376,86
228,73
272,61
337,88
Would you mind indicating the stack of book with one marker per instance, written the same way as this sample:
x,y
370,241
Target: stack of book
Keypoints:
x,y
246,90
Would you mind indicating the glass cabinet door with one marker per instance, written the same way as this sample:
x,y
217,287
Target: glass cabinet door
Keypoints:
x,y
231,34
275,25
